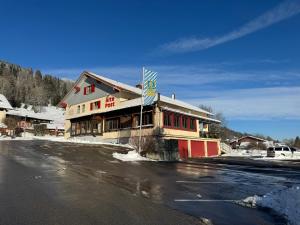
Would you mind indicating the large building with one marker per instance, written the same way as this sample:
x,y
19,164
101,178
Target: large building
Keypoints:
x,y
108,110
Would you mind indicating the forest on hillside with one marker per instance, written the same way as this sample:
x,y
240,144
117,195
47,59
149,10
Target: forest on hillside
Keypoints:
x,y
22,85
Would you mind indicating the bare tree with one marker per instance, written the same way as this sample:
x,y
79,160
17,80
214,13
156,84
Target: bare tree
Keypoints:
x,y
11,124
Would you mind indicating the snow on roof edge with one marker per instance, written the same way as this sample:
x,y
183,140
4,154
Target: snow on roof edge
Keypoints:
x,y
139,92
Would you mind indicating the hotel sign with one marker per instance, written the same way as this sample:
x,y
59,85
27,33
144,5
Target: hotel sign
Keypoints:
x,y
110,102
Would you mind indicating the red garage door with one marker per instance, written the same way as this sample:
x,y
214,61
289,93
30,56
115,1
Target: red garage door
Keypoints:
x,y
197,149
183,149
212,148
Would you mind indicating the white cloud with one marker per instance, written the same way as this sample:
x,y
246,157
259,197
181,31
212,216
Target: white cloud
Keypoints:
x,y
256,104
209,85
186,75
281,12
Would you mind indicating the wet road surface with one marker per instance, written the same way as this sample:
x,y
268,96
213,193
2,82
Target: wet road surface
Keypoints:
x,y
44,182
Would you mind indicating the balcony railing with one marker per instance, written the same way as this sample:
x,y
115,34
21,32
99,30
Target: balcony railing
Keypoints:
x,y
209,135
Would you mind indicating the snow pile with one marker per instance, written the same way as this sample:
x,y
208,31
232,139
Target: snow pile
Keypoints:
x,y
285,202
246,153
130,156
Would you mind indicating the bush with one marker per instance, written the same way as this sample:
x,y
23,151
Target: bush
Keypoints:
x,y
148,144
18,131
40,129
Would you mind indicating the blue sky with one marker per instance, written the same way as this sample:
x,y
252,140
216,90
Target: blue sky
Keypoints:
x,y
240,57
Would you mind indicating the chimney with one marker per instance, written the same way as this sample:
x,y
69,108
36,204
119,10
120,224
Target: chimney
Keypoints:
x,y
173,96
139,86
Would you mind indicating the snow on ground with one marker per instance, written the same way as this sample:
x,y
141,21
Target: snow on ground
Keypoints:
x,y
130,156
8,138
285,202
77,140
246,153
295,156
29,136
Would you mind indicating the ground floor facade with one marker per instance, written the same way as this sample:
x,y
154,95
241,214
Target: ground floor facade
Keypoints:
x,y
165,134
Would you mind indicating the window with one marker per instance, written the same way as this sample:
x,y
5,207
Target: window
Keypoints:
x,y
192,124
177,119
95,105
73,129
89,89
77,129
97,127
184,122
201,126
83,127
112,124
78,109
167,119
147,119
88,127
125,121
83,108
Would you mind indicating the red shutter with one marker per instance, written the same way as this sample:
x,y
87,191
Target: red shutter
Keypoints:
x,y
84,91
91,106
99,104
93,88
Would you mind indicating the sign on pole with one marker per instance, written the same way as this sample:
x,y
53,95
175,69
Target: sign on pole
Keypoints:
x,y
149,84
148,95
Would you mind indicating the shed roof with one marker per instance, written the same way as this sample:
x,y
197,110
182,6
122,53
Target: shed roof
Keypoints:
x,y
4,103
251,137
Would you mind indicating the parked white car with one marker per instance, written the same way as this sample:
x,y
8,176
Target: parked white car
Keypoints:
x,y
281,151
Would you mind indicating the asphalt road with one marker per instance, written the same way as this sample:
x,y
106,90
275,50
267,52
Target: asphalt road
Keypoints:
x,y
44,182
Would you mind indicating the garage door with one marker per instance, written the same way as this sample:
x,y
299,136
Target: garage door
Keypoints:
x,y
197,149
183,149
212,148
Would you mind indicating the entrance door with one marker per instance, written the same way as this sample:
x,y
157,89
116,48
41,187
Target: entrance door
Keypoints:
x,y
212,148
99,127
197,149
183,149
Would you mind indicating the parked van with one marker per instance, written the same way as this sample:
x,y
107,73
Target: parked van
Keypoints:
x,y
280,151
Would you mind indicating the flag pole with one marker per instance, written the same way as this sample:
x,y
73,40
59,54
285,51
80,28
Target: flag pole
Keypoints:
x,y
141,114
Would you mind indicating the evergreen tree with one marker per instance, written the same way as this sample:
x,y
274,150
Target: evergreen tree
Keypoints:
x,y
21,85
297,142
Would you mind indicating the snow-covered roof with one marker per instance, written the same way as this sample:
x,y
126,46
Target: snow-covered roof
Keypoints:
x,y
252,137
2,125
118,84
182,104
139,92
54,126
21,112
50,113
4,103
